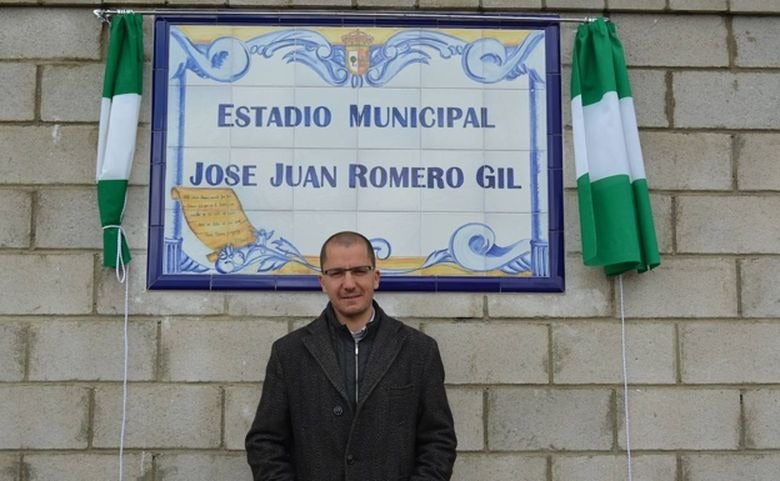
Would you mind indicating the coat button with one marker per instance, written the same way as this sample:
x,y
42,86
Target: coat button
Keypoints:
x,y
350,459
338,410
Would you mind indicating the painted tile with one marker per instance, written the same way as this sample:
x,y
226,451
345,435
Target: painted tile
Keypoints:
x,y
322,175
400,230
306,222
384,180
461,193
507,177
256,114
329,127
265,196
393,115
457,136
200,130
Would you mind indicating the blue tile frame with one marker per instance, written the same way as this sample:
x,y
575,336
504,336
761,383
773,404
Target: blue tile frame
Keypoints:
x,y
554,282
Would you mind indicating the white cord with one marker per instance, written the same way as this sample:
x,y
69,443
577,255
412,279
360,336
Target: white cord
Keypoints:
x,y
126,280
625,378
122,273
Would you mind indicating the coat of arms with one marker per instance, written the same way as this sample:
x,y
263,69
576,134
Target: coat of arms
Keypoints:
x,y
356,44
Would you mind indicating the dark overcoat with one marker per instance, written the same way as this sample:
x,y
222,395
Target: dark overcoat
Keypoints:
x,y
306,429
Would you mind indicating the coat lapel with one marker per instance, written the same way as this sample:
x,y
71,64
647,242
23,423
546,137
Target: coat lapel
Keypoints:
x,y
385,349
320,346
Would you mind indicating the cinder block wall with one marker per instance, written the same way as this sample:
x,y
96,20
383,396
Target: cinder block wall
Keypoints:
x,y
534,379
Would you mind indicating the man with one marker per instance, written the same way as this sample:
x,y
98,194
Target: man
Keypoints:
x,y
355,395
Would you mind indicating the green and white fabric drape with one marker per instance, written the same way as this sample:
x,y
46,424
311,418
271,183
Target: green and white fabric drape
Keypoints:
x,y
616,220
119,111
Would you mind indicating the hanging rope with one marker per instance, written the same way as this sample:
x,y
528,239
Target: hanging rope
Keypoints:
x,y
627,422
126,281
122,273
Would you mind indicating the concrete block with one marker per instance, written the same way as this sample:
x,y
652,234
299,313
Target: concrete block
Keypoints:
x,y
757,166
549,419
320,3
524,5
613,468
15,214
199,3
683,287
159,416
648,88
65,279
571,223
43,417
217,350
9,467
699,5
269,3
757,39
13,346
754,6
590,352
111,295
139,173
387,4
733,100
240,407
458,305
675,161
307,305
568,153
71,92
17,91
587,295
568,34
569,166
729,467
91,351
732,224
145,2
468,412
202,467
508,353
74,35
499,467
762,425
681,418
644,5
696,40
720,353
451,4
760,290
82,466
662,219
48,154
70,218
579,5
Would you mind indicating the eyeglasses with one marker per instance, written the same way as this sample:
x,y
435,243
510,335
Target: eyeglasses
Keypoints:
x,y
341,272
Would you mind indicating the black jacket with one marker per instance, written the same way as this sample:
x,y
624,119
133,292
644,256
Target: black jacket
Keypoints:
x,y
306,428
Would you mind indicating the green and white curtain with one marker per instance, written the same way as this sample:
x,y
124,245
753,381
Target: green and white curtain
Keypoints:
x,y
119,111
616,220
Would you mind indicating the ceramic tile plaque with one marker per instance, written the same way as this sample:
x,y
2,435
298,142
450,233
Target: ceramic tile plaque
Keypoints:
x,y
437,136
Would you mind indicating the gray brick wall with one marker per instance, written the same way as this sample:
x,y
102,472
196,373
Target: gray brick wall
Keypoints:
x,y
534,380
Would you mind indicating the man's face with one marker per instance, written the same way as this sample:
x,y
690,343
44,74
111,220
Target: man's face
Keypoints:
x,y
350,291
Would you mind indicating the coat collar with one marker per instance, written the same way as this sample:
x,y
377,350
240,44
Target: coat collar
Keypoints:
x,y
386,346
321,348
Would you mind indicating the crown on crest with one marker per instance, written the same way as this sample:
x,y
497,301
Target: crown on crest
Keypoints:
x,y
356,38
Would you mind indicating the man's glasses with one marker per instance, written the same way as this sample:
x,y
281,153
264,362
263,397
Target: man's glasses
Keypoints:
x,y
341,272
